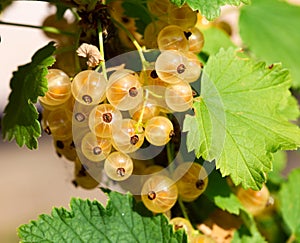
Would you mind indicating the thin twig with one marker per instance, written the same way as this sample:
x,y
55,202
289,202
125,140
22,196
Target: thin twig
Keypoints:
x,y
101,49
49,29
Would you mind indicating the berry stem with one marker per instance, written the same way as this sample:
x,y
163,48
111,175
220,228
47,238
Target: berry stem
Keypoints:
x,y
170,156
140,121
154,94
101,48
135,43
49,29
183,209
75,14
291,239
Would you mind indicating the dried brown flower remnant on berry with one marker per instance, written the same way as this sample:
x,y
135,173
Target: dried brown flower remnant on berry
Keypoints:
x,y
91,53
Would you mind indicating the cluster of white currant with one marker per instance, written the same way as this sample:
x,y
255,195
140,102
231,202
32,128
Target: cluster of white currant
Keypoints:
x,y
95,105
114,113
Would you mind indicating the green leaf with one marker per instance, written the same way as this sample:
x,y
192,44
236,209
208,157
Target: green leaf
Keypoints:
x,y
220,193
289,202
279,163
270,28
28,82
249,232
214,40
122,220
211,9
290,109
239,119
178,3
243,236
137,10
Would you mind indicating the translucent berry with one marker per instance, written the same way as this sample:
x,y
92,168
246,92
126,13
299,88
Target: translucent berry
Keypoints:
x,y
159,193
191,180
145,111
128,137
254,201
151,33
179,96
184,16
124,90
95,148
182,223
102,118
88,87
118,166
159,130
59,124
59,89
172,37
159,7
173,66
195,39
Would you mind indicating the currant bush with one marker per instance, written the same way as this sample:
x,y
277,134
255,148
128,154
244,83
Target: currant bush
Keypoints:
x,y
154,98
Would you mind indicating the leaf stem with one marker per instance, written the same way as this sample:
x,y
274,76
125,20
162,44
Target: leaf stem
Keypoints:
x,y
49,29
135,43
